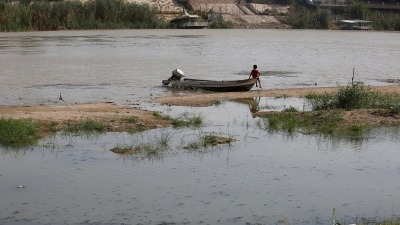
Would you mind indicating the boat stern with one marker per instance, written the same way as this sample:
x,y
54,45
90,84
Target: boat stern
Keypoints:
x,y
177,75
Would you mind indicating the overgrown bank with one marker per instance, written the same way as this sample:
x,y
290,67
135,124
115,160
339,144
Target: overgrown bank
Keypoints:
x,y
302,16
349,111
60,15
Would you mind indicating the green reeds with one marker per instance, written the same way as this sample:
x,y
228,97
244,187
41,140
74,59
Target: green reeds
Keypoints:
x,y
183,120
186,120
132,119
328,108
355,96
324,122
300,17
150,150
207,140
17,132
85,126
96,14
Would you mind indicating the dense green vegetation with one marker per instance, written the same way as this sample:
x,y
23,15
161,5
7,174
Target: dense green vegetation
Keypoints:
x,y
301,17
355,96
327,118
96,14
220,24
381,20
17,132
312,17
85,126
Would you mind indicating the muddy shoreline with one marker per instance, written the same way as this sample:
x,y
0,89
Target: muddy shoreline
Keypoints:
x,y
115,116
207,99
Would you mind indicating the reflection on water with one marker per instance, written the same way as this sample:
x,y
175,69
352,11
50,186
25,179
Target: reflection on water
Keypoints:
x,y
253,103
263,177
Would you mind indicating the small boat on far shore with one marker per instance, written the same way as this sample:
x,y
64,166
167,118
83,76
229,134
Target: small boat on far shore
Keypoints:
x,y
188,21
178,81
355,24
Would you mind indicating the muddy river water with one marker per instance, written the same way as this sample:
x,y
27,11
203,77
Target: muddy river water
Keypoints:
x,y
263,177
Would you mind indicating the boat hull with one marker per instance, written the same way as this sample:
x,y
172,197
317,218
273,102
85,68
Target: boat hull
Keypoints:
x,y
216,86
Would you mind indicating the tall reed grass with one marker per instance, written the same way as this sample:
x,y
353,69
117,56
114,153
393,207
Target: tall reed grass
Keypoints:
x,y
354,96
95,14
301,17
17,132
381,20
305,17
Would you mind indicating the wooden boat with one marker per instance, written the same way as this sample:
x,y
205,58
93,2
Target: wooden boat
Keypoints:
x,y
178,81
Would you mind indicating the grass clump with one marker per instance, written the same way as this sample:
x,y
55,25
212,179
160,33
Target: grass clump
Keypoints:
x,y
18,132
183,120
86,126
152,149
186,120
290,109
355,96
161,116
221,24
326,122
206,141
132,119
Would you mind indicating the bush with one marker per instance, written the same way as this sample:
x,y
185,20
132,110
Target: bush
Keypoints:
x,y
221,24
354,96
301,17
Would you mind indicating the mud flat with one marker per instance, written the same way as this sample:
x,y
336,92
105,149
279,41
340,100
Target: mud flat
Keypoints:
x,y
113,116
207,99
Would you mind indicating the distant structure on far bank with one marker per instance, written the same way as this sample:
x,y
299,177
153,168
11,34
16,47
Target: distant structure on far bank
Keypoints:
x,y
187,21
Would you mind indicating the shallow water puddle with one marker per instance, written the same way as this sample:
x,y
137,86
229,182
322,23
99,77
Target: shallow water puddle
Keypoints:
x,y
263,177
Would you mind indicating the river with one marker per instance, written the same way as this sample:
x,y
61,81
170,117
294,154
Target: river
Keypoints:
x,y
129,65
262,178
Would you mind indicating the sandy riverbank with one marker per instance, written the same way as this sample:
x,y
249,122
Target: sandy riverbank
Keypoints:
x,y
115,117
210,98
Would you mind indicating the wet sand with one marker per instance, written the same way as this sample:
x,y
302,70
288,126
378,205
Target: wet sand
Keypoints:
x,y
210,98
115,116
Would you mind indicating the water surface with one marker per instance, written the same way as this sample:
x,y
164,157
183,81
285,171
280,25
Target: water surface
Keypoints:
x,y
128,65
262,178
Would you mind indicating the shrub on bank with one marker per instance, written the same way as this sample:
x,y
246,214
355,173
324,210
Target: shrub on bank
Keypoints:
x,y
354,96
301,17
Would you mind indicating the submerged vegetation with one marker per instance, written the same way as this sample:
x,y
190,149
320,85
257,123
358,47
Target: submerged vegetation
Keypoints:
x,y
183,120
326,122
152,149
59,15
186,120
207,140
